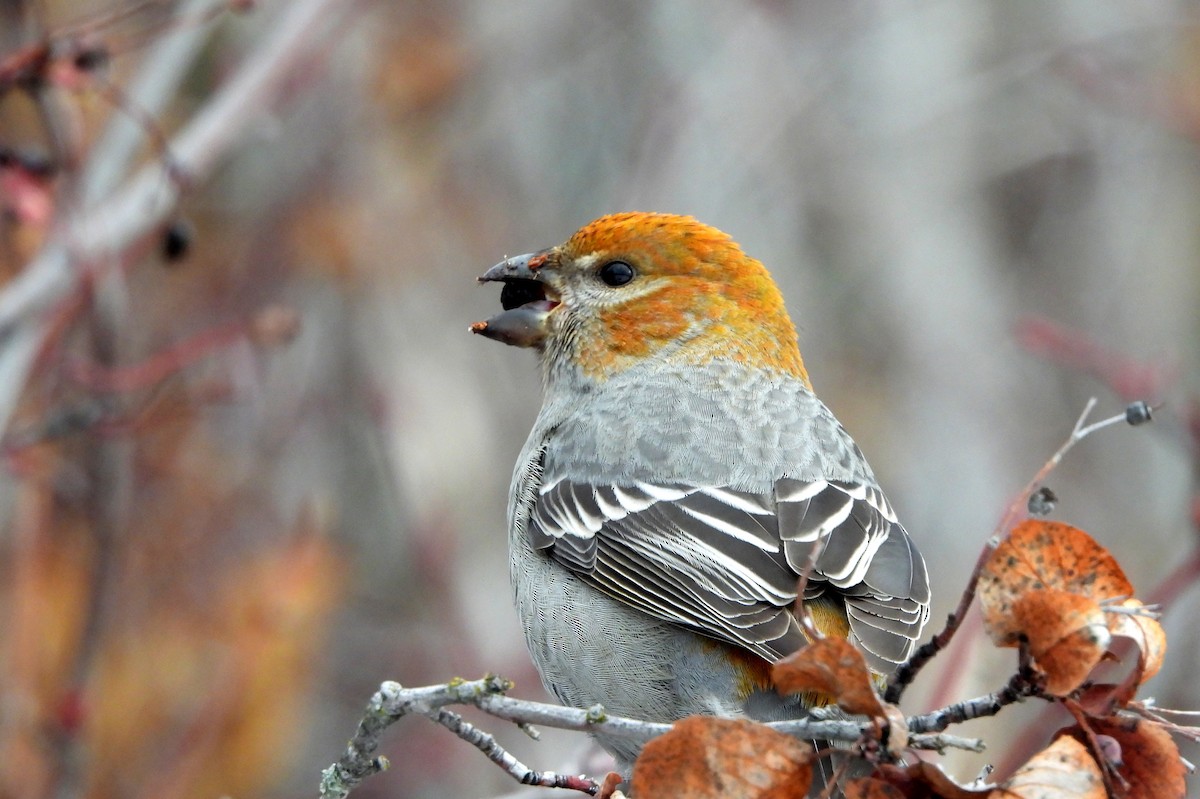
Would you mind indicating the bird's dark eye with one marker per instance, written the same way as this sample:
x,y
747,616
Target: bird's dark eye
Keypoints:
x,y
616,273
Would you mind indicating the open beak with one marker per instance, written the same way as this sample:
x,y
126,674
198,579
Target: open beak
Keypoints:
x,y
526,299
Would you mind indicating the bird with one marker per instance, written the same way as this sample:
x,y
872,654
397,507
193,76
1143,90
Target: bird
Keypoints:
x,y
678,476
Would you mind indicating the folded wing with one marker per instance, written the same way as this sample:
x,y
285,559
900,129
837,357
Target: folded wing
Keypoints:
x,y
726,562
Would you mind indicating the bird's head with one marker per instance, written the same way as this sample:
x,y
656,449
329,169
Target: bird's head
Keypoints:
x,y
633,287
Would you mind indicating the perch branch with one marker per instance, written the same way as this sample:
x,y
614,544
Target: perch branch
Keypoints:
x,y
392,702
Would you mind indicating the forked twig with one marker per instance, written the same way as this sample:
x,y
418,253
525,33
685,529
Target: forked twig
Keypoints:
x,y
1135,413
393,702
486,743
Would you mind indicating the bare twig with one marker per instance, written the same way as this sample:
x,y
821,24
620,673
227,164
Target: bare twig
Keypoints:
x,y
1181,578
907,672
802,612
1022,685
1149,711
1115,783
1081,431
832,784
393,702
487,744
940,742
163,69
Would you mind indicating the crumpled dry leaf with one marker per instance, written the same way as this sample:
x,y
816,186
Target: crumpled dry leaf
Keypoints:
x,y
1068,635
1053,585
870,788
1135,623
1063,770
834,668
1039,555
704,757
924,779
1146,757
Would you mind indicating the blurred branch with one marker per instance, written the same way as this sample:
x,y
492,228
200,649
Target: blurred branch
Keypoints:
x,y
392,702
107,463
163,69
1128,378
115,224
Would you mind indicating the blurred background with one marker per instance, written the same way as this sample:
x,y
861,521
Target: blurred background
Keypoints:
x,y
277,475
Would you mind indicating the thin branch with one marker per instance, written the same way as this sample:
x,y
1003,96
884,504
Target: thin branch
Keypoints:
x,y
162,70
1022,686
392,702
1181,578
1147,710
147,199
487,744
1081,431
907,672
940,742
832,784
1108,769
802,613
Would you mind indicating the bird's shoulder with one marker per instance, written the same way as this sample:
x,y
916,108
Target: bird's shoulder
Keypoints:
x,y
725,425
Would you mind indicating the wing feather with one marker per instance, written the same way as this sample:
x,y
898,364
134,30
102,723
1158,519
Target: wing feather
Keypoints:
x,y
725,562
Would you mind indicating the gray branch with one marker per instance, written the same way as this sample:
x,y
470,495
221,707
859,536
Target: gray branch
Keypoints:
x,y
392,702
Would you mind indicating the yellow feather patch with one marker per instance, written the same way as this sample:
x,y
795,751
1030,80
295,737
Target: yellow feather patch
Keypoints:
x,y
754,673
829,616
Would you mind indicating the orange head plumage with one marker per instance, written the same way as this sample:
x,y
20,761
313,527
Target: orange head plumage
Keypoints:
x,y
632,287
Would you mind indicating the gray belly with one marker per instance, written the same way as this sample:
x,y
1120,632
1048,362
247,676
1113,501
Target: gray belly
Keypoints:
x,y
591,649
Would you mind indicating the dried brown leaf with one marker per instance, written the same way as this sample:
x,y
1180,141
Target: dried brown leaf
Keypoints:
x,y
1063,770
1067,633
1038,555
834,668
1148,758
925,779
870,788
1134,622
704,757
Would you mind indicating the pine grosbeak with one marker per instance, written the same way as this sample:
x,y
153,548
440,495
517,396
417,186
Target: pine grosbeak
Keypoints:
x,y
677,477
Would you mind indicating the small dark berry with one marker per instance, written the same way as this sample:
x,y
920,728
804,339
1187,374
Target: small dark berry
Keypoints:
x,y
1137,412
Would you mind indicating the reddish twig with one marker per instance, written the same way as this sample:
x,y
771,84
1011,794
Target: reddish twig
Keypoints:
x,y
907,672
1108,770
1158,715
802,612
1126,377
839,773
1180,579
161,365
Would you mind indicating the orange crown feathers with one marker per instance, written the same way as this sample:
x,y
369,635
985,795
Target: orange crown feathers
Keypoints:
x,y
705,282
